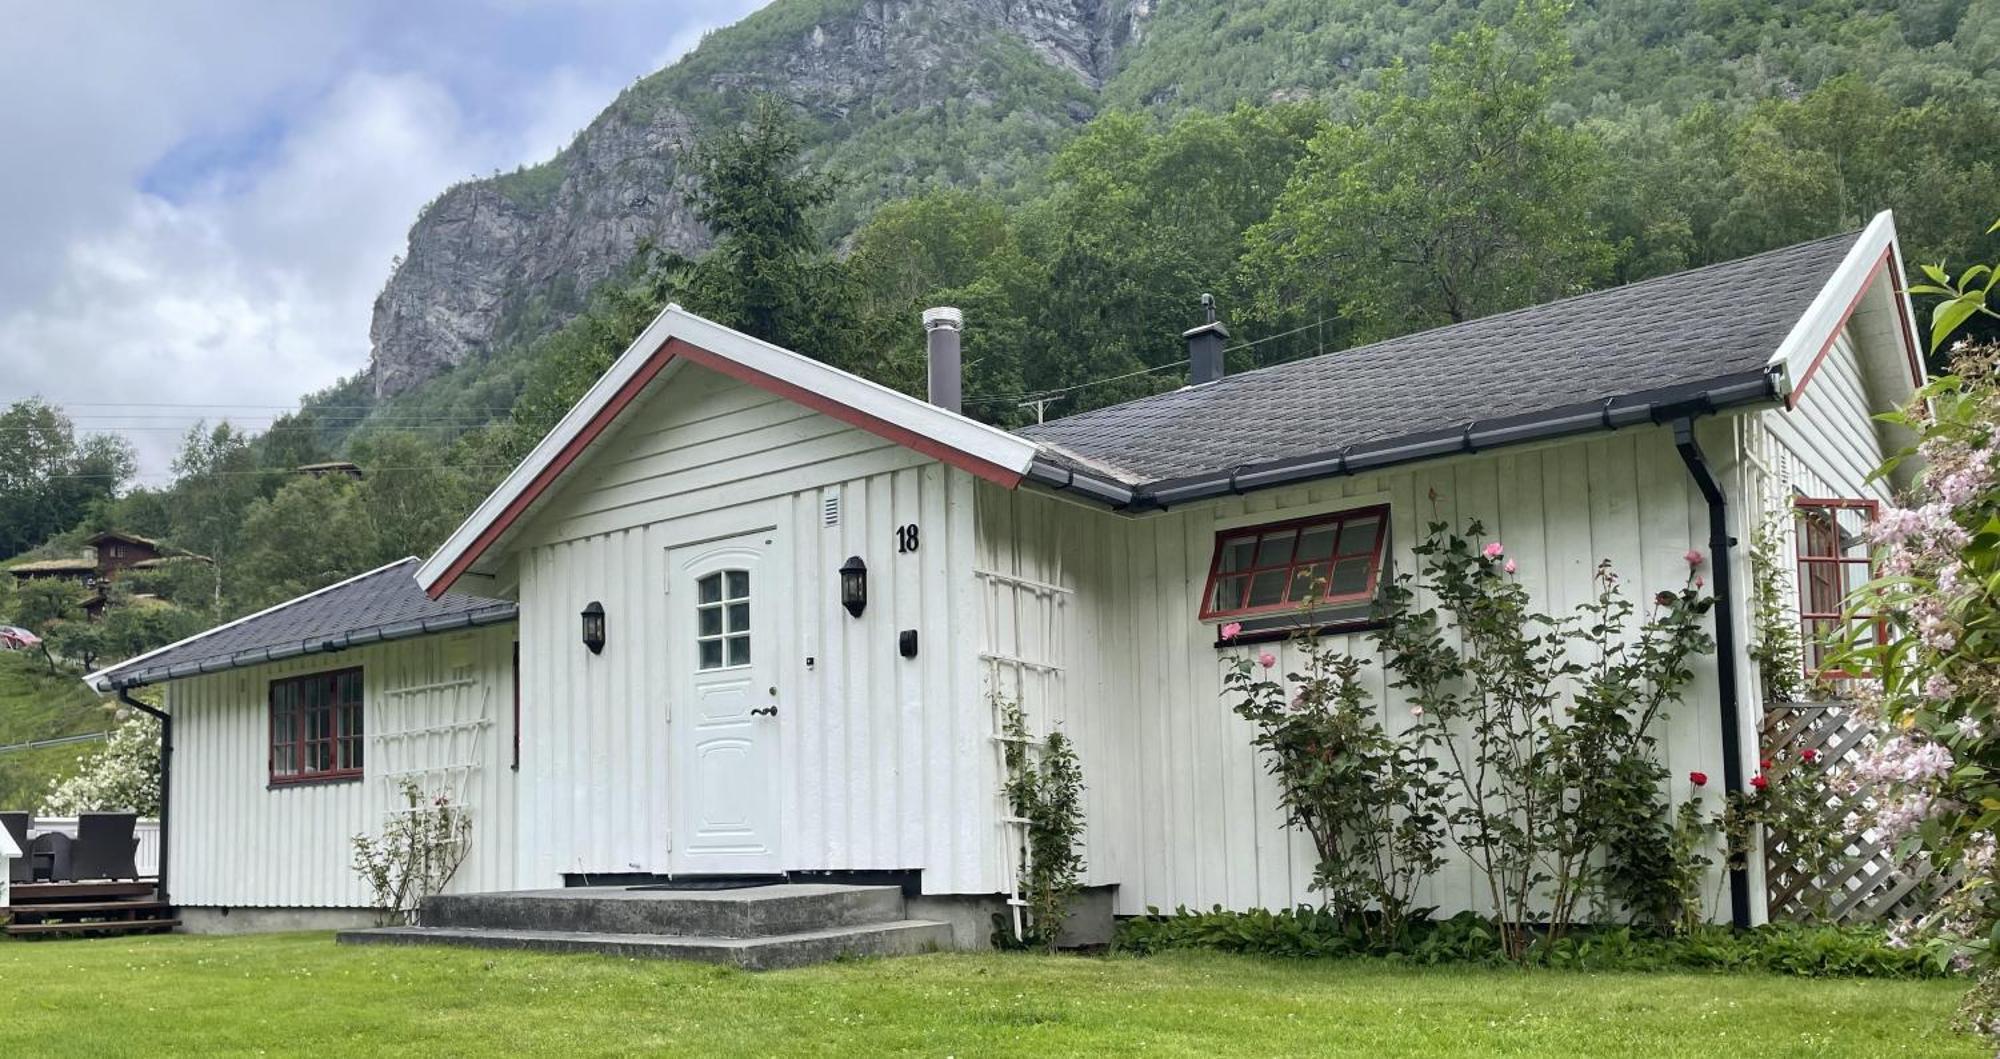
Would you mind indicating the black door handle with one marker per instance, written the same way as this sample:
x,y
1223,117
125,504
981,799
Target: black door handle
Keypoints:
x,y
767,711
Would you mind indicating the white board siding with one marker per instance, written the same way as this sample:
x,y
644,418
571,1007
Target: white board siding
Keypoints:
x,y
239,842
882,756
1181,810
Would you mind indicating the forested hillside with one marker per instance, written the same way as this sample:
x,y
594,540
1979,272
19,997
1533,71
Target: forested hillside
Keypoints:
x,y
1332,172
900,97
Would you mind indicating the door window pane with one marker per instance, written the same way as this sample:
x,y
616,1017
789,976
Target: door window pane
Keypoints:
x,y
722,620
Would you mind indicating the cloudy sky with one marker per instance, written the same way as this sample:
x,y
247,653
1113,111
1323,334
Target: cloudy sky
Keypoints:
x,y
200,200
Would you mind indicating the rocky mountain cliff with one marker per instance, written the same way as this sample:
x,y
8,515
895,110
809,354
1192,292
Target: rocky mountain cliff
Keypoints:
x,y
901,93
904,95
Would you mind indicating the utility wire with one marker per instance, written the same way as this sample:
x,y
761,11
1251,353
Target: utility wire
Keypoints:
x,y
1029,396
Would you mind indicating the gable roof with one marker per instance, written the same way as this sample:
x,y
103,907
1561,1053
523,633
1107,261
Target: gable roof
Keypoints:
x,y
1731,333
679,335
381,605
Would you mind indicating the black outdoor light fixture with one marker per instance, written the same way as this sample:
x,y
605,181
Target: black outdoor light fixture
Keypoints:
x,y
854,585
593,627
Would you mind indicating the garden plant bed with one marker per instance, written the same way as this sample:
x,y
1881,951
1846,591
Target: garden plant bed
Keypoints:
x,y
300,994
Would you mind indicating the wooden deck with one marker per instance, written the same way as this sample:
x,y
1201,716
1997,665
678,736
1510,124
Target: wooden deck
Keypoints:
x,y
85,908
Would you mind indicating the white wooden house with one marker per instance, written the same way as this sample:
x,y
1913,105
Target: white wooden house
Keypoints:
x,y
736,710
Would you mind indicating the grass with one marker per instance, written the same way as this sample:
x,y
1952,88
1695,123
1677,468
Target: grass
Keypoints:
x,y
36,704
298,994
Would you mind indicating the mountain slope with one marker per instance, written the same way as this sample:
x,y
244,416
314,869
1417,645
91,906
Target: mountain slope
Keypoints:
x,y
900,95
903,95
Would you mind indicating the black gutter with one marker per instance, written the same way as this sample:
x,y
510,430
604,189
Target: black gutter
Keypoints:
x,y
1720,544
166,785
1103,490
1615,413
495,615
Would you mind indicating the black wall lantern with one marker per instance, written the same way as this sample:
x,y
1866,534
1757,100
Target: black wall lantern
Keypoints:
x,y
593,627
854,585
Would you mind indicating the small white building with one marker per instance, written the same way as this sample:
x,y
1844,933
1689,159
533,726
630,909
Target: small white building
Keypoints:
x,y
742,714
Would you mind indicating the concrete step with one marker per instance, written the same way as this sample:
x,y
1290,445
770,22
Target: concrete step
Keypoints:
x,y
753,912
767,953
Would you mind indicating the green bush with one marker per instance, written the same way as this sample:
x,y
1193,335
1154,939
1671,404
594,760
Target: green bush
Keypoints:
x,y
1309,932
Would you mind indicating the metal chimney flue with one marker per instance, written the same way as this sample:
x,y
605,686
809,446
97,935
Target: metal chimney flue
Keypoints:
x,y
1205,345
942,327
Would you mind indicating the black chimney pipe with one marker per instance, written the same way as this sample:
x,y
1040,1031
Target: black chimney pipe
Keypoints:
x,y
947,380
1205,345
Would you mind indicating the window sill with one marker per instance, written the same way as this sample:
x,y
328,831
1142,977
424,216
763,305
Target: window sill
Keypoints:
x,y
316,780
1279,633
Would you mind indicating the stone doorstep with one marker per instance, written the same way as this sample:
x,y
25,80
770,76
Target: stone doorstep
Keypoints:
x,y
774,952
764,911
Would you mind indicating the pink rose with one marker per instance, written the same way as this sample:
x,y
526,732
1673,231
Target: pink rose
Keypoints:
x,y
1693,557
1511,566
1493,550
1267,660
1230,631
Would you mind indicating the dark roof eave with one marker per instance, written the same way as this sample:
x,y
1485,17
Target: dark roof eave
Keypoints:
x,y
496,615
1614,413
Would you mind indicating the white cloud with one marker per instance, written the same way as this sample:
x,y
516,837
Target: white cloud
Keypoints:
x,y
251,279
249,291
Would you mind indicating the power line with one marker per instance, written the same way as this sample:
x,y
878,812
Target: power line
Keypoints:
x,y
366,471
1034,396
1040,394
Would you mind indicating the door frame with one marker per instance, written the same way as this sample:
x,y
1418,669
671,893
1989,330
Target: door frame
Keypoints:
x,y
773,562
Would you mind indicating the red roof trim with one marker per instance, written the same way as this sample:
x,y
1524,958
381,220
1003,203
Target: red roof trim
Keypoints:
x,y
655,363
1902,313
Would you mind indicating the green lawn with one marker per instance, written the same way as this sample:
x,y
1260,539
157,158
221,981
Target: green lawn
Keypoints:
x,y
36,704
297,994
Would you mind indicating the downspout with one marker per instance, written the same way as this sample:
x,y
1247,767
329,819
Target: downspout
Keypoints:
x,y
166,782
1720,544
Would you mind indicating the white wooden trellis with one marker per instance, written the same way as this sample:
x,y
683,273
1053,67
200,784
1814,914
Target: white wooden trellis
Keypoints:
x,y
440,745
1025,632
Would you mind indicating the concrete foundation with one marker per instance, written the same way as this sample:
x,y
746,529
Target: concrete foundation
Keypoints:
x,y
1089,925
199,920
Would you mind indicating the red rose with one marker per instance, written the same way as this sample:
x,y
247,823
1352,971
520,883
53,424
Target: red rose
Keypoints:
x,y
1759,782
1764,764
1810,756
1699,779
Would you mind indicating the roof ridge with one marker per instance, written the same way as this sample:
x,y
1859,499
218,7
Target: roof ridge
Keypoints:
x,y
1567,299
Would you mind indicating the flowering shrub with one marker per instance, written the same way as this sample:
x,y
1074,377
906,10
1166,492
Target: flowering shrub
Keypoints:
x,y
1544,729
418,853
1934,681
1371,804
1795,801
123,775
1046,790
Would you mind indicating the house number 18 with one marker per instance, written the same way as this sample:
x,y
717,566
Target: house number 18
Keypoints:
x,y
906,537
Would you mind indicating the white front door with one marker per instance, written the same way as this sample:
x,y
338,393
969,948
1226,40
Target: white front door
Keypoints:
x,y
727,708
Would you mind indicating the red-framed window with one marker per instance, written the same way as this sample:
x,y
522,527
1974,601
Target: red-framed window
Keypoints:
x,y
1333,560
316,729
1831,539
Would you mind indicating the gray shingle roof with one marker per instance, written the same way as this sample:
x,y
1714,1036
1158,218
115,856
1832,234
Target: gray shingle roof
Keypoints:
x,y
1675,333
381,605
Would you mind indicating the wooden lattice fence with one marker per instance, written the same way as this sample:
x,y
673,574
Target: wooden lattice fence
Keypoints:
x,y
1845,874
